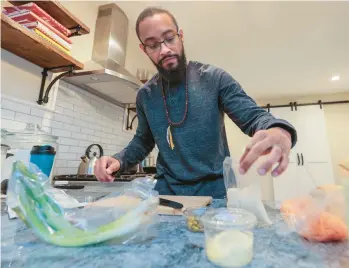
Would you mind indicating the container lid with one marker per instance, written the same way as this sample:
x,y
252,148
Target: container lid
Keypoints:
x,y
229,218
43,149
32,133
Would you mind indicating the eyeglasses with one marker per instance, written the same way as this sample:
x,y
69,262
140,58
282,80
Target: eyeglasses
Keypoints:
x,y
168,41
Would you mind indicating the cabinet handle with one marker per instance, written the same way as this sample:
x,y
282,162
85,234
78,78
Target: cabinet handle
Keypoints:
x,y
302,159
298,162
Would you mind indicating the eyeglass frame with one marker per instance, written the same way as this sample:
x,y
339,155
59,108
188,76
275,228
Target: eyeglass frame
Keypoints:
x,y
160,43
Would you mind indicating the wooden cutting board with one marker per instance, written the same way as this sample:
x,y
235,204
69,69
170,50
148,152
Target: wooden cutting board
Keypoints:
x,y
187,201
128,202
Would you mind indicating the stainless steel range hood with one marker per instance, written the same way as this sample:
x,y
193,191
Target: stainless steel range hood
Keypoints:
x,y
105,75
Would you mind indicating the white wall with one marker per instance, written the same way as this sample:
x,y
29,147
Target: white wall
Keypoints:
x,y
21,79
337,125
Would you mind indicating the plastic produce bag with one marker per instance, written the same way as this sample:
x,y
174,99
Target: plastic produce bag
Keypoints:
x,y
244,195
319,216
30,196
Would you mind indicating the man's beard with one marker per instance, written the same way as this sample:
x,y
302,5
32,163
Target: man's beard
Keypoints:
x,y
175,75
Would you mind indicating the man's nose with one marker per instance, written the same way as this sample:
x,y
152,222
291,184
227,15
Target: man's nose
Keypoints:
x,y
164,49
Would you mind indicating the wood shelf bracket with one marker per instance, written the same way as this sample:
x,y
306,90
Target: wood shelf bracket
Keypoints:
x,y
43,95
130,123
76,31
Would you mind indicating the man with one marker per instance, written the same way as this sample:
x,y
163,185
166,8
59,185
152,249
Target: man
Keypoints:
x,y
181,110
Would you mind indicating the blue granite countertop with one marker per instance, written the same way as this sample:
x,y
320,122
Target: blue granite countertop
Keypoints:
x,y
173,246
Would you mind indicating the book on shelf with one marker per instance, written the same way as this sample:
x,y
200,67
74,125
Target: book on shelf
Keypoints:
x,y
50,40
32,7
42,28
30,17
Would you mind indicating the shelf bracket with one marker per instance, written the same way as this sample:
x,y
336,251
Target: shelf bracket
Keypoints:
x,y
43,95
76,31
128,123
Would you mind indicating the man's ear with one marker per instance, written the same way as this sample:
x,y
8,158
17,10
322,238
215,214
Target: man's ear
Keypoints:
x,y
142,47
181,34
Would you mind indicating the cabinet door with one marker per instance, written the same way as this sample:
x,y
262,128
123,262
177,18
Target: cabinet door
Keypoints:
x,y
300,180
293,183
294,118
314,145
320,173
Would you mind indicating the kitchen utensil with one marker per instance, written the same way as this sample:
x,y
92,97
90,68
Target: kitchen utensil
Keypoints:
x,y
168,207
149,170
22,143
43,156
229,236
187,201
93,158
170,203
83,166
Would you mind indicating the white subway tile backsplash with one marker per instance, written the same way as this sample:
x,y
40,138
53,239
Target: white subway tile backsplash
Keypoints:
x,y
72,128
87,131
60,163
64,104
12,125
63,118
65,171
79,136
105,140
94,126
107,130
15,106
93,138
51,123
80,123
79,120
46,129
68,141
61,132
84,143
7,114
59,110
41,113
67,156
63,148
26,118
81,110
78,150
73,164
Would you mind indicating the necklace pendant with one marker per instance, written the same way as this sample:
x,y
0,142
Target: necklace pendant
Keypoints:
x,y
170,138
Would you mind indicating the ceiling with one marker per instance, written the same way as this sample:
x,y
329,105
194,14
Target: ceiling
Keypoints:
x,y
273,49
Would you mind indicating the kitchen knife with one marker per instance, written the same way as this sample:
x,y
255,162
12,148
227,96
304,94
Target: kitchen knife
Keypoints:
x,y
170,203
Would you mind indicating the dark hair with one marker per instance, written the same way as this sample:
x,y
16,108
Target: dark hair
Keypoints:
x,y
151,11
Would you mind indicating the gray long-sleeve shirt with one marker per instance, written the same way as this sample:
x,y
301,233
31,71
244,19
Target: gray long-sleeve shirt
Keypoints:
x,y
195,166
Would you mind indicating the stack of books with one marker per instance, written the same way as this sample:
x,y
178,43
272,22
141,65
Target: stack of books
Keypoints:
x,y
38,21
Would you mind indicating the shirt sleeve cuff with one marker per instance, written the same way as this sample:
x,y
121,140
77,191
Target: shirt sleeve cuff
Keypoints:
x,y
286,126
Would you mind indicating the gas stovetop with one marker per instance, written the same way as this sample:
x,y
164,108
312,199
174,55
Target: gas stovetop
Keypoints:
x,y
122,177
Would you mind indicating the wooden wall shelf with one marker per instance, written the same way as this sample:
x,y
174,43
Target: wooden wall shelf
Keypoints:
x,y
58,12
26,44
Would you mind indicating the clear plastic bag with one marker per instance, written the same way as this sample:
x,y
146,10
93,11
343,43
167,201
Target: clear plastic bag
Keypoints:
x,y
319,216
32,197
243,194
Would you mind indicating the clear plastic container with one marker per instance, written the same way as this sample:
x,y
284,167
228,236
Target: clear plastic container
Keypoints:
x,y
193,215
229,236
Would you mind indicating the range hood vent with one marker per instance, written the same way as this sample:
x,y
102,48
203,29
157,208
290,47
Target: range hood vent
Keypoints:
x,y
105,75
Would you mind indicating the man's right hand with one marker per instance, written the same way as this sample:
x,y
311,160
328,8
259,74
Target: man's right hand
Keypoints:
x,y
105,167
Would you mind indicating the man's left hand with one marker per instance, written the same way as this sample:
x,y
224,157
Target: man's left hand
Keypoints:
x,y
276,142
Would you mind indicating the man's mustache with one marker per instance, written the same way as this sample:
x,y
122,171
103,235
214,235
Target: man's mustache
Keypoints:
x,y
168,56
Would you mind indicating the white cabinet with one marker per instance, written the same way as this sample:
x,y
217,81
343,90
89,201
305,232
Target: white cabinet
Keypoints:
x,y
310,160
